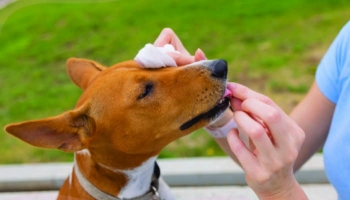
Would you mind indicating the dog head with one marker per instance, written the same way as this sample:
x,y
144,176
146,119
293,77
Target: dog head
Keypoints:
x,y
126,108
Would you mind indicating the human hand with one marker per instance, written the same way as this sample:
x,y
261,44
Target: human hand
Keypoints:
x,y
276,142
168,36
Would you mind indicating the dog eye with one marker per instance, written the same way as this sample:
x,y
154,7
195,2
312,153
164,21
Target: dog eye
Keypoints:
x,y
148,89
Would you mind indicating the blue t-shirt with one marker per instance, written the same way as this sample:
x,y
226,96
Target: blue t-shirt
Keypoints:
x,y
333,79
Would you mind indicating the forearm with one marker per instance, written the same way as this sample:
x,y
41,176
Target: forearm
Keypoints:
x,y
313,114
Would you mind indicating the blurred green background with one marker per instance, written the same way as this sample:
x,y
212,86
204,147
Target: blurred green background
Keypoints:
x,y
271,46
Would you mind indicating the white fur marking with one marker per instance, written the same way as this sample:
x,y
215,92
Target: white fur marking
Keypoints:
x,y
139,179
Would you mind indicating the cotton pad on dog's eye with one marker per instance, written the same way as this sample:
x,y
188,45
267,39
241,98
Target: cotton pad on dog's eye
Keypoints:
x,y
151,56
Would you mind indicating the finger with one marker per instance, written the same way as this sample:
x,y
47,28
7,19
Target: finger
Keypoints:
x,y
199,55
181,59
245,157
242,93
164,37
168,36
257,134
236,104
273,118
184,59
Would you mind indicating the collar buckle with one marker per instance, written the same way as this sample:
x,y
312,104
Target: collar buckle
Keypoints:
x,y
155,193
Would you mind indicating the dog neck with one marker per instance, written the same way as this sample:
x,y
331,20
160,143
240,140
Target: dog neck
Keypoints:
x,y
111,181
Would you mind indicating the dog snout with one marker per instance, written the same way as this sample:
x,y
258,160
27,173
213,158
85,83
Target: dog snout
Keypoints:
x,y
219,68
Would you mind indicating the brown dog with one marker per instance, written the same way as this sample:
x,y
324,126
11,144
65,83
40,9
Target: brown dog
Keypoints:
x,y
123,119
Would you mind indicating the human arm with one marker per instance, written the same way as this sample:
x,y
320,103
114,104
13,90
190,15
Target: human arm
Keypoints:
x,y
313,114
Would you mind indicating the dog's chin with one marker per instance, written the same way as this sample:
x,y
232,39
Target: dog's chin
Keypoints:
x,y
209,116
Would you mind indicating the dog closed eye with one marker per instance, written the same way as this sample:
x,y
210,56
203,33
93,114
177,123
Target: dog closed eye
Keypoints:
x,y
147,90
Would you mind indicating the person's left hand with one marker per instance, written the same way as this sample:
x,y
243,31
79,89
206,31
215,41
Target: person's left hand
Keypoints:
x,y
168,36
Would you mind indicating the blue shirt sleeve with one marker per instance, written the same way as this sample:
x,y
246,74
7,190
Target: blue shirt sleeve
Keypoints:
x,y
328,74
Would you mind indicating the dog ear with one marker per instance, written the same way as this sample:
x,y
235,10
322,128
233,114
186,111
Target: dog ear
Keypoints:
x,y
68,132
83,71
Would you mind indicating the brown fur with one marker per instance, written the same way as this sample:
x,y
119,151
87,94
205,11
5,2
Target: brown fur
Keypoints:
x,y
119,128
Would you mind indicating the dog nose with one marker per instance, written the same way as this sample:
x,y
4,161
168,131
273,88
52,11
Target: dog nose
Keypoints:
x,y
219,68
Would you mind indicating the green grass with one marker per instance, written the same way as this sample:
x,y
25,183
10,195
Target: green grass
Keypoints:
x,y
271,46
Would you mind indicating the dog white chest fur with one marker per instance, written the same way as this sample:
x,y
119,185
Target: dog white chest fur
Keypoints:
x,y
139,180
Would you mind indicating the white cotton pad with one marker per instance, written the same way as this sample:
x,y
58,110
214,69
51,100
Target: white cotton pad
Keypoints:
x,y
151,56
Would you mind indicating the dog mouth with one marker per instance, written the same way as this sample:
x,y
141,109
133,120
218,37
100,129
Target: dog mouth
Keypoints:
x,y
213,113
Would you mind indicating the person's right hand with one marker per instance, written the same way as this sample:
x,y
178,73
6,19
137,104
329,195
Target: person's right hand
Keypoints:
x,y
276,140
168,36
